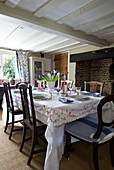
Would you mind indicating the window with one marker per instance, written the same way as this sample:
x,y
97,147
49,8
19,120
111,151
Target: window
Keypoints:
x,y
8,65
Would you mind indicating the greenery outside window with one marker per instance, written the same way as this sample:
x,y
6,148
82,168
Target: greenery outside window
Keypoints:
x,y
8,65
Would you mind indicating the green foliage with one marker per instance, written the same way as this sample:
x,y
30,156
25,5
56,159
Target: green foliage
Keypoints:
x,y
53,76
8,68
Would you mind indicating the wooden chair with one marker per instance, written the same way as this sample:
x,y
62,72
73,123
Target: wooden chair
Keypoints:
x,y
17,85
11,109
94,132
93,86
30,121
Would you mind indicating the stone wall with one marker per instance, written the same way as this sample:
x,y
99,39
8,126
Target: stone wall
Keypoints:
x,y
95,70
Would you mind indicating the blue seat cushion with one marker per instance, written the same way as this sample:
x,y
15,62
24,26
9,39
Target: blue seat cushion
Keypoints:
x,y
84,127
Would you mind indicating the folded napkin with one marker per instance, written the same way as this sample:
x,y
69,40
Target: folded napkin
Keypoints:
x,y
95,94
65,100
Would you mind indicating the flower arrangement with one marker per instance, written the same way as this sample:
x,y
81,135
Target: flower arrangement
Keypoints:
x,y
53,76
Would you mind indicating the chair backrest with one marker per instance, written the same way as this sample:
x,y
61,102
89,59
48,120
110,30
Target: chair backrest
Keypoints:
x,y
102,122
27,104
17,85
9,99
93,86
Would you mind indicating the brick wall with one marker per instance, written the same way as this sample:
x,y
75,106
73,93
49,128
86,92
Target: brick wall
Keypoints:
x,y
95,70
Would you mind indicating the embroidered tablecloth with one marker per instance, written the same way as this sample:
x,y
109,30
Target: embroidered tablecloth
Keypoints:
x,y
57,114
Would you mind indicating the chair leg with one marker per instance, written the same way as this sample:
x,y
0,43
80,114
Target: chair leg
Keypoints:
x,y
112,151
68,145
7,120
11,127
24,134
32,147
95,156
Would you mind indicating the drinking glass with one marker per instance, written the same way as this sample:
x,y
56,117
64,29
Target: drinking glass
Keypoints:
x,y
58,90
78,89
70,86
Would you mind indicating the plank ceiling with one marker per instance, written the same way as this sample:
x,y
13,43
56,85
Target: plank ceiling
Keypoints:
x,y
53,26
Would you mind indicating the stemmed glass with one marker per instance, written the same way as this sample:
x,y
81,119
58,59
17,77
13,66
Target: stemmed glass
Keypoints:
x,y
58,90
70,86
78,89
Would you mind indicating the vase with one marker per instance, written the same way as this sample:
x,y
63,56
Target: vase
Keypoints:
x,y
51,84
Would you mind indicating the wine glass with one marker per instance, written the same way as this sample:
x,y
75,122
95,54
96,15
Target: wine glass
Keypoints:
x,y
58,90
70,86
78,89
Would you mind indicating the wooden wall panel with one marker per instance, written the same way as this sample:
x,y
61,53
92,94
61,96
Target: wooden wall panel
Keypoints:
x,y
61,63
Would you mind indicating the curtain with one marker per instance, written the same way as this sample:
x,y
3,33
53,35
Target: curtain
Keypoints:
x,y
22,62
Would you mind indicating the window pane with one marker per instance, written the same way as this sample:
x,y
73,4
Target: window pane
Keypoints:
x,y
9,66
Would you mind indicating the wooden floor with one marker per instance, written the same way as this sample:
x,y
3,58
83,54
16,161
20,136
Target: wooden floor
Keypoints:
x,y
80,158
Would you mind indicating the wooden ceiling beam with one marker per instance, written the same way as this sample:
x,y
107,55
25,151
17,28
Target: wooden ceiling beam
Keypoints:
x,y
50,5
51,26
88,7
93,21
12,3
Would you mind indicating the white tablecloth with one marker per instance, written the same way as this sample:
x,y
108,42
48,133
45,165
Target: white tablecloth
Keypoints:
x,y
56,114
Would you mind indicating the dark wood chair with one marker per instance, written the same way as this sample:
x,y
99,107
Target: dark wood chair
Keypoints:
x,y
17,85
11,109
93,131
93,86
30,121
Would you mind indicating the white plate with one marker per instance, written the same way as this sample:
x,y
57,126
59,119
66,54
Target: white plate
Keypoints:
x,y
84,92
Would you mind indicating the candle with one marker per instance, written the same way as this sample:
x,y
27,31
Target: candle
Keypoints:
x,y
58,79
43,84
64,77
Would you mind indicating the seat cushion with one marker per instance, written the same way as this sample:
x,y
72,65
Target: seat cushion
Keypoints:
x,y
85,128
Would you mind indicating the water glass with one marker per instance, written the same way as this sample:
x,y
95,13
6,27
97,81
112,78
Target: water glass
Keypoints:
x,y
70,87
78,89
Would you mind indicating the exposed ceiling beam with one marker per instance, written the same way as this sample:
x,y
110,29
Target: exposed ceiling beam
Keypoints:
x,y
62,45
91,5
68,48
21,43
12,3
50,25
100,19
50,43
104,28
108,35
42,11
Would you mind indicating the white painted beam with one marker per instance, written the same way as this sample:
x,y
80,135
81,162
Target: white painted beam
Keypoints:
x,y
94,21
93,4
70,47
49,25
49,43
12,3
106,27
62,45
47,8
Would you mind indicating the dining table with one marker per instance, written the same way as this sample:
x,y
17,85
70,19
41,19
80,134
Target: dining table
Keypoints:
x,y
56,109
